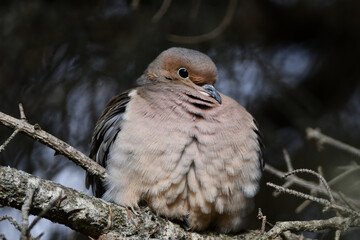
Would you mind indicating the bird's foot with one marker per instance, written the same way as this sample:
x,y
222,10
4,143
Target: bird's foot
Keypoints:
x,y
186,223
134,212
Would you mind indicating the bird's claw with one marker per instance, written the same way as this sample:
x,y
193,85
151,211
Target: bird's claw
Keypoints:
x,y
134,212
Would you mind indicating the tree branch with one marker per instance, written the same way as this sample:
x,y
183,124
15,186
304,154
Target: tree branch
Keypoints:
x,y
90,215
25,208
322,138
321,201
230,12
161,12
58,145
3,146
313,225
302,182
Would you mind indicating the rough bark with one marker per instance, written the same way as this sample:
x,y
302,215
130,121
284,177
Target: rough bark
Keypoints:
x,y
314,225
58,145
90,215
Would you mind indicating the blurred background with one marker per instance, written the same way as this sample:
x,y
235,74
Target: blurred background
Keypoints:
x,y
292,63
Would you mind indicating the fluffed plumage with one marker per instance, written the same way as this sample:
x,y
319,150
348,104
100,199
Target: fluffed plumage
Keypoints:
x,y
179,145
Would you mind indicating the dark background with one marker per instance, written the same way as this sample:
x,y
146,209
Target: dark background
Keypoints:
x,y
291,63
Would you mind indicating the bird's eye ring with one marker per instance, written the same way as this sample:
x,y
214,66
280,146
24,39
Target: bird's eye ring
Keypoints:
x,y
183,72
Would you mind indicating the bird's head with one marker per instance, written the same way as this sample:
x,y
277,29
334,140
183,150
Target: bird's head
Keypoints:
x,y
185,66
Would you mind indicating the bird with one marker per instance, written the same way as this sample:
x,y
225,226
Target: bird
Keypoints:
x,y
179,145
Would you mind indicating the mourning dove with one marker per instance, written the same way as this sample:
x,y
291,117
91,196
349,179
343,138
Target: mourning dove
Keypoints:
x,y
178,144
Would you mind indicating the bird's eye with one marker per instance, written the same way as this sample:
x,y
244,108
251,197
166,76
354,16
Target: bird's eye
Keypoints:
x,y
183,72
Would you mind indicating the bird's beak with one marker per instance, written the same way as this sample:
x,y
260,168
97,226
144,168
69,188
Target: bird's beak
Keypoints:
x,y
210,89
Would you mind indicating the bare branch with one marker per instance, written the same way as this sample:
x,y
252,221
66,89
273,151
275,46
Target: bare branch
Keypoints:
x,y
321,201
339,223
337,234
313,226
288,160
303,183
12,221
161,12
3,146
321,178
304,204
90,215
25,212
58,145
44,211
22,112
322,138
230,12
263,220
348,203
344,174
287,184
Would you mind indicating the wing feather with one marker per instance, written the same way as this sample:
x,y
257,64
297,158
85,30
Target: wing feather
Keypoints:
x,y
105,133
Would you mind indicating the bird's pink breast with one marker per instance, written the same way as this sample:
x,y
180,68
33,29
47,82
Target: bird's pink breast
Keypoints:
x,y
180,163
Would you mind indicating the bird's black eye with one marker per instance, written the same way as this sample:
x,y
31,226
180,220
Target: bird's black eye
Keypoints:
x,y
183,72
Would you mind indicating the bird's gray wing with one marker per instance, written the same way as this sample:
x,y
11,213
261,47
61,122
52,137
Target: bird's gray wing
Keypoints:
x,y
106,130
261,144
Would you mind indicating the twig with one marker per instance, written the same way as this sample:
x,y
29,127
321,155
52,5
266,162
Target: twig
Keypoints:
x,y
25,212
287,184
321,201
311,186
17,226
343,174
287,160
39,236
301,182
161,12
230,12
22,117
322,138
12,221
58,145
348,203
3,146
289,166
22,112
321,172
313,226
337,234
321,178
43,212
304,204
263,220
